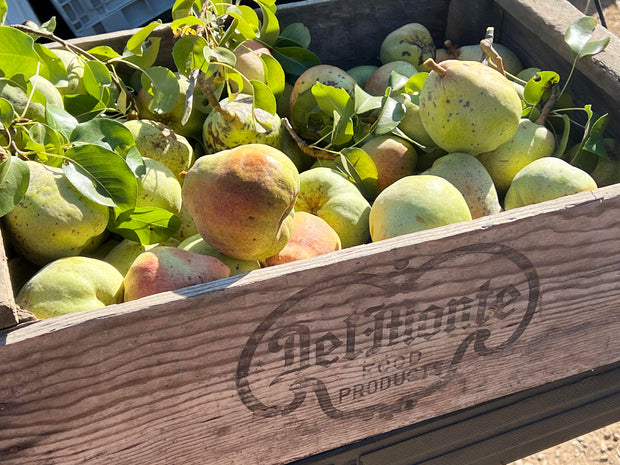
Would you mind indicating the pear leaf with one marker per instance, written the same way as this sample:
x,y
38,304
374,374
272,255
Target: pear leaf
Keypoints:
x,y
161,82
17,54
101,175
145,225
14,180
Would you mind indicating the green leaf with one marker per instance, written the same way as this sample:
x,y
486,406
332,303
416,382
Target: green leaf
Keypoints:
x,y
187,53
397,81
146,225
343,129
333,99
414,83
183,8
248,23
161,82
364,102
579,33
60,120
135,44
263,97
297,33
539,85
104,52
3,10
361,170
7,113
563,142
43,138
96,76
105,132
17,54
14,180
295,60
221,55
270,27
390,116
54,69
148,55
83,106
594,46
101,175
274,74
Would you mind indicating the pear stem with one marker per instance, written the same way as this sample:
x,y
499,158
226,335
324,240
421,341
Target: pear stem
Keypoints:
x,y
548,107
452,50
434,66
487,47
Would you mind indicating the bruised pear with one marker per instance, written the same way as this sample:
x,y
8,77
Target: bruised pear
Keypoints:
x,y
470,177
54,219
242,200
411,42
238,123
469,107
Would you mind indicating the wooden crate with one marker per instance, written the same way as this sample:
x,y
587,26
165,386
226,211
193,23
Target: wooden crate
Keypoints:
x,y
291,361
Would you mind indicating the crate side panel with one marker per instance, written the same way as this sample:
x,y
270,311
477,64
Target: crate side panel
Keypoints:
x,y
350,32
304,358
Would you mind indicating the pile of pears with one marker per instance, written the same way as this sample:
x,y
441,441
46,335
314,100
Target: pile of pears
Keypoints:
x,y
251,193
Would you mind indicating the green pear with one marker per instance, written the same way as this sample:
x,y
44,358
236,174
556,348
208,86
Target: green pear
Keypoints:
x,y
157,141
393,156
159,187
124,253
242,200
22,105
243,124
546,179
174,118
71,284
511,62
165,268
197,244
416,203
188,225
53,219
412,42
330,196
531,142
471,178
50,93
469,107
607,171
362,73
249,64
379,81
302,102
411,124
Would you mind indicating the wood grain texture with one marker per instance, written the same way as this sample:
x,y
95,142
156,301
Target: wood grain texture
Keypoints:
x,y
8,311
287,362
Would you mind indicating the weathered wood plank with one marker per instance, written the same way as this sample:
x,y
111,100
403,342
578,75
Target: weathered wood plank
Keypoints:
x,y
313,355
8,310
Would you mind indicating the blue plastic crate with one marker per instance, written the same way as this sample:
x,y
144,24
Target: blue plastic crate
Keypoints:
x,y
19,11
91,17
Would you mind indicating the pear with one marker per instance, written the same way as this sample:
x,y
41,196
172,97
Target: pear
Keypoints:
x,y
75,72
22,105
158,142
71,284
411,42
470,177
511,62
165,268
361,73
159,187
122,255
607,171
174,118
237,266
242,200
249,64
379,81
53,219
531,142
188,225
411,124
415,203
327,194
243,124
394,158
546,179
469,107
49,92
